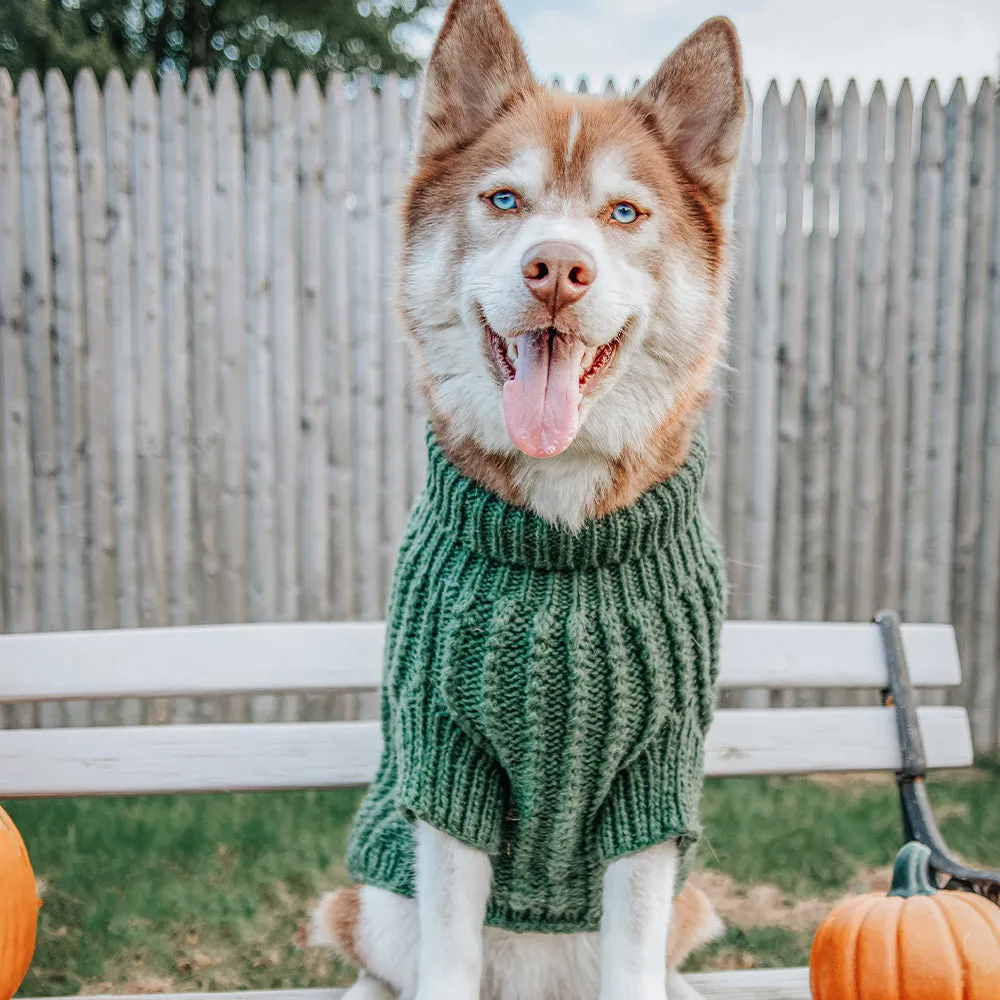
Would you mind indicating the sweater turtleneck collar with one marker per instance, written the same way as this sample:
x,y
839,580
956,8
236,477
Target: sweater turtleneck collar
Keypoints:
x,y
500,531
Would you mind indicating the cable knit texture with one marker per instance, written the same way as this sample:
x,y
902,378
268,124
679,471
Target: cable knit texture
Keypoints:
x,y
546,694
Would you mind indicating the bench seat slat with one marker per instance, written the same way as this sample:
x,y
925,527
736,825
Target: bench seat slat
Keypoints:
x,y
752,984
160,759
237,659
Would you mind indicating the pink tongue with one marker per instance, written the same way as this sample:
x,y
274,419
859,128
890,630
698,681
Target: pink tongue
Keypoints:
x,y
542,403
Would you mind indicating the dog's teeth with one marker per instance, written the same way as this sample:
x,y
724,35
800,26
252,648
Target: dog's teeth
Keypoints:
x,y
588,358
512,353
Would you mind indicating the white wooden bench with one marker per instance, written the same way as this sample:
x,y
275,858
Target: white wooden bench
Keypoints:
x,y
253,659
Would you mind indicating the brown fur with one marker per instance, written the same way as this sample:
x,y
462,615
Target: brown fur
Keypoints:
x,y
680,135
342,914
635,474
683,96
690,925
493,472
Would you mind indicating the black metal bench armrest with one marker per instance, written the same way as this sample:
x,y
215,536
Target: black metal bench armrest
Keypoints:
x,y
918,817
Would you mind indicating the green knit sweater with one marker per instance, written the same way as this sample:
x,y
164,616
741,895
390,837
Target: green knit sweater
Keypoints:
x,y
545,694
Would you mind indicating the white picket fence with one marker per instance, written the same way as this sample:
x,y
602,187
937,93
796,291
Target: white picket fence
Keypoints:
x,y
207,413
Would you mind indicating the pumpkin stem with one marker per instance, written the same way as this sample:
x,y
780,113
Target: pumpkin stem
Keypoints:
x,y
910,875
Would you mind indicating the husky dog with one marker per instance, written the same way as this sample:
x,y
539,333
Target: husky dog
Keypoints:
x,y
564,279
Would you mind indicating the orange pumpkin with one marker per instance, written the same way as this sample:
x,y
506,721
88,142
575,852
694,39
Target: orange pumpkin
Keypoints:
x,y
916,943
18,908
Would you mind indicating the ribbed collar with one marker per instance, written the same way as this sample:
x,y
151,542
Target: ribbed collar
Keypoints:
x,y
481,521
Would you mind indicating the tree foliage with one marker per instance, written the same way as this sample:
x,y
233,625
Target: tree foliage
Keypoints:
x,y
244,35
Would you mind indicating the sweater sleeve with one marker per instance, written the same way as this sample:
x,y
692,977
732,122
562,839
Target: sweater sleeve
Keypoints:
x,y
656,797
445,779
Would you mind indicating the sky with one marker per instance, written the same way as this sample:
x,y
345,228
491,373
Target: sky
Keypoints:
x,y
782,39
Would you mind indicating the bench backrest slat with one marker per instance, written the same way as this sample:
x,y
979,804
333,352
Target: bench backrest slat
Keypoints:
x,y
237,659
156,759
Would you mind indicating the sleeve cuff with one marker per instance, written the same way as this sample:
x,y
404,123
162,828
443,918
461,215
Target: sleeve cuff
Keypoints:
x,y
656,798
447,781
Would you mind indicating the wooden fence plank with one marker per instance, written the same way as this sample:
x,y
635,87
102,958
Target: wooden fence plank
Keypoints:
x,y
118,121
92,159
394,486
260,397
260,384
791,347
215,228
923,298
845,357
985,710
176,310
149,355
18,601
367,349
70,347
208,286
37,263
229,225
763,382
947,356
17,524
179,599
969,522
942,459
314,523
764,377
869,369
124,386
740,339
285,343
819,356
69,342
897,323
337,336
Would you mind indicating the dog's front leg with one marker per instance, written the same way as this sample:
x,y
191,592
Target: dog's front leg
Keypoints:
x,y
638,898
453,886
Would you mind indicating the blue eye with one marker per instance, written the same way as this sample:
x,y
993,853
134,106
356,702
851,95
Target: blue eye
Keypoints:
x,y
625,213
506,201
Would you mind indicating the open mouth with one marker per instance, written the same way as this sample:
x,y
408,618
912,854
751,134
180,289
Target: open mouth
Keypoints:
x,y
593,361
545,376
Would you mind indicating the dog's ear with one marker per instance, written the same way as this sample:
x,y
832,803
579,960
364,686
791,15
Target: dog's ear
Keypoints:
x,y
476,66
696,100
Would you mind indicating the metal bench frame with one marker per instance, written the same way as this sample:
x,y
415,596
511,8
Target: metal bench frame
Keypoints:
x,y
918,816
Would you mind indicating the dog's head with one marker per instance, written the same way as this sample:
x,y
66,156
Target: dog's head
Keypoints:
x,y
563,268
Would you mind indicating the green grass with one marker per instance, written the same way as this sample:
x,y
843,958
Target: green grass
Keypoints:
x,y
809,837
192,891
205,892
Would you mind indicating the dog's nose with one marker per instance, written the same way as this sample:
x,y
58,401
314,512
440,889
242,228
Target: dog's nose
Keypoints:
x,y
558,273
